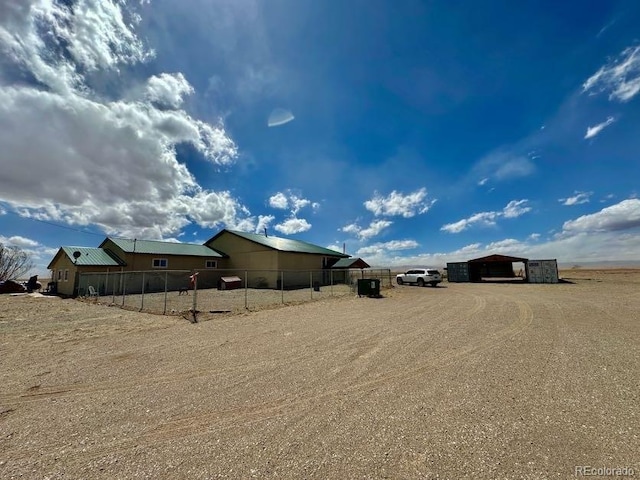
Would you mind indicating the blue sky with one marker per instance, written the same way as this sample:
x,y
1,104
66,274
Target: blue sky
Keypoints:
x,y
415,132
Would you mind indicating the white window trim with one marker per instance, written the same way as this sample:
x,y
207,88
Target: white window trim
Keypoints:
x,y
160,263
66,275
59,275
208,262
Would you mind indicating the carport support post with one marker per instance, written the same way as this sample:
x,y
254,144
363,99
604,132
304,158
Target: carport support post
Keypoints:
x,y
142,295
166,279
246,291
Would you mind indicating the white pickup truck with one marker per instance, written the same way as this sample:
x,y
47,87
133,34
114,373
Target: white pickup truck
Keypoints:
x,y
420,277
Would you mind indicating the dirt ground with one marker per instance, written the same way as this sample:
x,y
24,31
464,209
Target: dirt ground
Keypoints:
x,y
459,381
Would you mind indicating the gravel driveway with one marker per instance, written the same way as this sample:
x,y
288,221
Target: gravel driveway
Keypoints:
x,y
460,381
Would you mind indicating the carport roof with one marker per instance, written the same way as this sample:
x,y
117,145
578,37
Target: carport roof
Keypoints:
x,y
498,259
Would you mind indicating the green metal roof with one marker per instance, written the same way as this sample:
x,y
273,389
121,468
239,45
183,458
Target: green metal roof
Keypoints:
x,y
284,244
92,257
164,248
349,262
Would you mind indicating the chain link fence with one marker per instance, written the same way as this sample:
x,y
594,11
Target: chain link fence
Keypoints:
x,y
182,292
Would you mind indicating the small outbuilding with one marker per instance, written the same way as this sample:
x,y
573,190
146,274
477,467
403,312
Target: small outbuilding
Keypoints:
x,y
500,268
229,283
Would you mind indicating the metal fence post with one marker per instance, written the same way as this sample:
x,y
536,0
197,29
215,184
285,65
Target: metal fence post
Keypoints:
x,y
142,293
166,279
311,283
195,296
282,284
246,291
124,289
331,280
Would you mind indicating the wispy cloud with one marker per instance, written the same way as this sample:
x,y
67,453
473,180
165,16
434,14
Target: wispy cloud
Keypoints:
x,y
504,164
620,78
513,209
577,199
398,204
595,130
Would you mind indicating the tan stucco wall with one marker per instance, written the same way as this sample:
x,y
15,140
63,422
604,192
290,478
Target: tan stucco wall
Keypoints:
x,y
265,263
136,262
63,263
144,262
244,254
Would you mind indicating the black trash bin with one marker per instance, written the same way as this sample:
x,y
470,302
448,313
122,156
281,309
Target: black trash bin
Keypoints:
x,y
369,287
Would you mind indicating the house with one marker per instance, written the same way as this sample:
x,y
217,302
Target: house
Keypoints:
x,y
273,260
265,261
68,262
126,255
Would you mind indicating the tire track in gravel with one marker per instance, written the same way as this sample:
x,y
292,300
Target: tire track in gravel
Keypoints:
x,y
222,419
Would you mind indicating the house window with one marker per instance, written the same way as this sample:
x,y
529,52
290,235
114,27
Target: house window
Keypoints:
x,y
211,264
66,275
59,275
160,263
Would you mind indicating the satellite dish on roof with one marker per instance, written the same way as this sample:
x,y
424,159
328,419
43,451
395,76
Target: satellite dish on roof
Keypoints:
x,y
77,254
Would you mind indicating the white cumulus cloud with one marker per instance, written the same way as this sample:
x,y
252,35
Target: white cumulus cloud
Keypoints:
x,y
516,208
80,151
374,229
293,225
397,204
290,200
18,241
279,200
168,90
386,247
621,216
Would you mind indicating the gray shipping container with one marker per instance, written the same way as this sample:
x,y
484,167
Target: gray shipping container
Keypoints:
x,y
542,271
458,272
